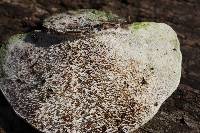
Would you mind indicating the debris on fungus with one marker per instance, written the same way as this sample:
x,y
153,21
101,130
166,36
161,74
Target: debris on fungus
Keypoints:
x,y
80,21
110,79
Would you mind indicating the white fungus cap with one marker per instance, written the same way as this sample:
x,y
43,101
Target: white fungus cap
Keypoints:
x,y
112,80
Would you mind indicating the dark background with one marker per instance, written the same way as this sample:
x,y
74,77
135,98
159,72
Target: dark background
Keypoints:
x,y
181,112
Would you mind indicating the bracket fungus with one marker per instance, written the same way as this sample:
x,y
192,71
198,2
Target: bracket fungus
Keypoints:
x,y
90,71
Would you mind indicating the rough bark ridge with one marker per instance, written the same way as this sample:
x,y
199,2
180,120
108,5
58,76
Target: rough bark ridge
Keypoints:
x,y
180,113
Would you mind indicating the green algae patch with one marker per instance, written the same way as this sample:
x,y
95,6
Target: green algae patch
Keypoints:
x,y
140,25
102,16
96,15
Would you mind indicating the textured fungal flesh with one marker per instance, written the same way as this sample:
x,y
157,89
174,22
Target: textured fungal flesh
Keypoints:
x,y
113,80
